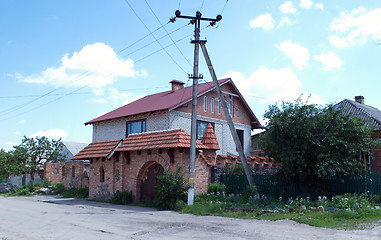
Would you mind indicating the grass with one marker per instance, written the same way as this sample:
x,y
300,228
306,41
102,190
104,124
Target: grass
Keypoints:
x,y
359,219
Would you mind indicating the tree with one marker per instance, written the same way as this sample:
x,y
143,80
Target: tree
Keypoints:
x,y
7,165
32,153
313,141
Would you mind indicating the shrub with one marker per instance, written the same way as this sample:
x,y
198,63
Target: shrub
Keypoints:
x,y
123,198
237,170
216,187
58,188
76,193
250,192
170,189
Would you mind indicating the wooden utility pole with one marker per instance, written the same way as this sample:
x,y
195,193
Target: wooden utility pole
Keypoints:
x,y
197,42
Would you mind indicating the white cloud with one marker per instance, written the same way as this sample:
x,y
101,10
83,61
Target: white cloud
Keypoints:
x,y
271,85
17,132
264,21
329,60
319,5
21,121
11,144
287,21
356,27
95,65
287,8
51,133
308,4
298,53
116,97
98,91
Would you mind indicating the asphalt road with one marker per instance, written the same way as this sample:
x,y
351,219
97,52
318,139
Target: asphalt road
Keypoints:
x,y
49,217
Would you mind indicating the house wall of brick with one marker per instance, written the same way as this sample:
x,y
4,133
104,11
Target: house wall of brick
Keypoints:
x,y
53,172
122,174
225,140
62,173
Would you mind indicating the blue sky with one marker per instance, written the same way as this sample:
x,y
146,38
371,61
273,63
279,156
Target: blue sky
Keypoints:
x,y
63,63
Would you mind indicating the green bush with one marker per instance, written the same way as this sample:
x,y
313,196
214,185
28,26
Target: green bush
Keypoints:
x,y
76,193
216,187
123,198
375,199
250,192
58,188
236,170
170,189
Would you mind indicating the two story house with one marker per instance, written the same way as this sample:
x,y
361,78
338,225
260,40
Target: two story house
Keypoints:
x,y
172,110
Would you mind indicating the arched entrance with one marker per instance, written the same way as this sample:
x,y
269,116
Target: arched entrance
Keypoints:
x,y
148,180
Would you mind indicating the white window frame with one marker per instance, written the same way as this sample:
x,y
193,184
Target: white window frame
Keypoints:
x,y
205,103
212,105
219,107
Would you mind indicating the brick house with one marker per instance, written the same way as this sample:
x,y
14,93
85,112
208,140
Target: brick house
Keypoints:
x,y
136,142
172,110
372,118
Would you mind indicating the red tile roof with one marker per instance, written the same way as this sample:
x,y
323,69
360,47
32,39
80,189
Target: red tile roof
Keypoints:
x,y
209,139
97,150
161,139
159,101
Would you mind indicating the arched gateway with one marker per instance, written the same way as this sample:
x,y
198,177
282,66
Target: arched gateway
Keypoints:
x,y
147,180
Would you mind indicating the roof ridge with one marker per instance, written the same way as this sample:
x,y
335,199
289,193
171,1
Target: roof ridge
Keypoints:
x,y
363,111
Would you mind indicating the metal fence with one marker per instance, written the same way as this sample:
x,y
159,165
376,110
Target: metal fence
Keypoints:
x,y
271,186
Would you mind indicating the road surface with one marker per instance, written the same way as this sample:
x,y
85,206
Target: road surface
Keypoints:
x,y
50,217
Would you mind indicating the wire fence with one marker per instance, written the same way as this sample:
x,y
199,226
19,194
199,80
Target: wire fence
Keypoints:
x,y
330,186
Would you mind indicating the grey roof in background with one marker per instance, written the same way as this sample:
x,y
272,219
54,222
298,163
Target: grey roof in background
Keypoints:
x,y
73,148
371,115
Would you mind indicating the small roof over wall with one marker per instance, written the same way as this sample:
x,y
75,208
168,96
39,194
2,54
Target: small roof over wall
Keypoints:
x,y
98,150
176,138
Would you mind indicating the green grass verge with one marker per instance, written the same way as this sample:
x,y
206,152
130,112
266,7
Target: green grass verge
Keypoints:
x,y
360,219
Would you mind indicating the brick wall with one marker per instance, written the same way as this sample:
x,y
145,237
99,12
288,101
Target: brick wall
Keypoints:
x,y
123,173
63,173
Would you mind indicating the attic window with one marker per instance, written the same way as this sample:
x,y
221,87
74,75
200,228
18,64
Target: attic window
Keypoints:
x,y
219,107
231,105
138,126
205,103
212,105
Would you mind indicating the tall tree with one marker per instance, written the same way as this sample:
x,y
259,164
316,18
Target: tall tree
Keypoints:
x,y
34,152
313,141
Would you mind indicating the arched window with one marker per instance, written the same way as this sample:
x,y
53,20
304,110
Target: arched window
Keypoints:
x,y
102,174
73,171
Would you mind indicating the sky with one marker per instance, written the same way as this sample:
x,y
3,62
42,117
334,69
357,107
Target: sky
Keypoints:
x,y
63,63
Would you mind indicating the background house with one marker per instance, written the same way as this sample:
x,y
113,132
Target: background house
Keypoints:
x,y
372,118
172,110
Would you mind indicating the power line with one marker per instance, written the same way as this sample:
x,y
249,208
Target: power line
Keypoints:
x,y
148,44
163,48
80,93
136,14
202,4
186,59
